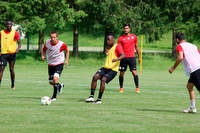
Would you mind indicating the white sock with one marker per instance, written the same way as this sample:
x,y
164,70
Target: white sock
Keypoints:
x,y
192,103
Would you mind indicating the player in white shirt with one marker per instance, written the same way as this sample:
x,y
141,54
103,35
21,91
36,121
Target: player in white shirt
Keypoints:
x,y
56,51
189,54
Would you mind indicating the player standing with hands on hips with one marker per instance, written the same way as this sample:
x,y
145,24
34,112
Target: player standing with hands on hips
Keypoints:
x,y
55,54
189,54
8,39
129,44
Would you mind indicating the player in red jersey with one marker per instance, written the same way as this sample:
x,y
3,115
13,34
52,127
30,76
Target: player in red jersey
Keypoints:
x,y
129,44
8,48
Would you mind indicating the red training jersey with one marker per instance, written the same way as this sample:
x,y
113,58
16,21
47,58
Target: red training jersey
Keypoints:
x,y
128,43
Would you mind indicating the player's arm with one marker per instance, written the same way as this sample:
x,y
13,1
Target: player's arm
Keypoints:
x,y
119,53
67,57
43,52
138,51
17,37
65,48
121,57
178,60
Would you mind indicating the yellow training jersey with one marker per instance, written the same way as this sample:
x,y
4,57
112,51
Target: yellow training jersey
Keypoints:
x,y
8,44
110,56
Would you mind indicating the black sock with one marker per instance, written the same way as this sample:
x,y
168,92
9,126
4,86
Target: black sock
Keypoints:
x,y
12,83
92,92
55,87
136,79
0,82
100,95
121,80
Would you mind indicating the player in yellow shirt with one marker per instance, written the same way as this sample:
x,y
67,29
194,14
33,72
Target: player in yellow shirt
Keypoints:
x,y
8,39
110,69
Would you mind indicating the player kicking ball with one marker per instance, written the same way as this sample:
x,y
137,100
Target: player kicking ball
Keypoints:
x,y
190,56
55,54
110,69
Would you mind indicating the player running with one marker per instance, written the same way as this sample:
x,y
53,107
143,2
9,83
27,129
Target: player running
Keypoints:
x,y
190,57
8,50
55,54
109,71
129,44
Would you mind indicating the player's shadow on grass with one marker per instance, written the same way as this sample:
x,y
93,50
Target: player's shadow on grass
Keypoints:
x,y
25,97
159,110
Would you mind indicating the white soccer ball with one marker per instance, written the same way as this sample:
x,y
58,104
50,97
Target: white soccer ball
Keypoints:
x,y
45,100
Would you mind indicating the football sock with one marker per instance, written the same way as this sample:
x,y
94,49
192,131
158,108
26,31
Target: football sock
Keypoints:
x,y
192,103
136,79
121,80
12,83
55,87
92,92
100,95
0,82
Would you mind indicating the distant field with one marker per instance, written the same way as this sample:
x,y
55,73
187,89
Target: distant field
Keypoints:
x,y
157,109
98,40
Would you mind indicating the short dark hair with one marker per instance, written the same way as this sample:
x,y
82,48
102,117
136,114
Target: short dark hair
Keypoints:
x,y
9,21
54,32
127,25
111,34
180,36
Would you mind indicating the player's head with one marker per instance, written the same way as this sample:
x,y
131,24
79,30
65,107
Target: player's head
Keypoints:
x,y
179,37
9,25
126,29
54,36
110,39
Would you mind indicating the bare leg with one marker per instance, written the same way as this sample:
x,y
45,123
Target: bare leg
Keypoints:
x,y
2,68
12,74
94,83
102,87
191,91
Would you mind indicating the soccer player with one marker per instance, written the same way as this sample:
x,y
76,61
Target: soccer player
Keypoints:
x,y
129,44
190,57
9,49
55,54
109,71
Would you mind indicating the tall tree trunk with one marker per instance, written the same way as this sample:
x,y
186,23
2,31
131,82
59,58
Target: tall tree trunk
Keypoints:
x,y
41,41
174,42
75,40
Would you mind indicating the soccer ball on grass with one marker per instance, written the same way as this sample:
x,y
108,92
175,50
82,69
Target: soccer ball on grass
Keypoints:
x,y
45,100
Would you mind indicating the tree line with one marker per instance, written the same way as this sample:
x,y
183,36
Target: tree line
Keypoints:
x,y
152,18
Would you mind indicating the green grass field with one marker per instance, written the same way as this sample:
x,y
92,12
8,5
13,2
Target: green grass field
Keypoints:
x,y
157,109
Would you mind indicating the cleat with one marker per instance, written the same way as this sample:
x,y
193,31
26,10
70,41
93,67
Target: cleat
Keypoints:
x,y
53,99
12,88
190,110
90,99
137,90
60,89
98,101
121,90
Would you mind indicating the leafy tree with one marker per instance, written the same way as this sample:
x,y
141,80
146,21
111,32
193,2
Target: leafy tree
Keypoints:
x,y
40,14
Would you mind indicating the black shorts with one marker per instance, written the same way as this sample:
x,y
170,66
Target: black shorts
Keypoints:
x,y
195,79
108,73
54,71
4,58
131,61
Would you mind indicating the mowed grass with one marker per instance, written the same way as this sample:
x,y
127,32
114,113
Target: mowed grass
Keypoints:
x,y
157,109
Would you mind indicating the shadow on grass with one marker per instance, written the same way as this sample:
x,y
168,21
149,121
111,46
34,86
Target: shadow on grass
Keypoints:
x,y
160,110
25,97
